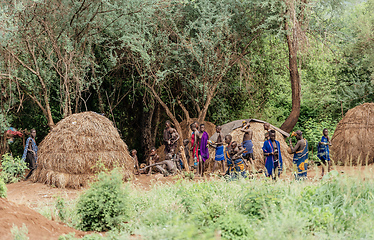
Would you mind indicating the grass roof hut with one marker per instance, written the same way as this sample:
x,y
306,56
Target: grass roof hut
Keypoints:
x,y
352,142
77,148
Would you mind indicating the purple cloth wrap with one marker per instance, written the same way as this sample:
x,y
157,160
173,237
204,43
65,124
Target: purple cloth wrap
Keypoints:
x,y
204,152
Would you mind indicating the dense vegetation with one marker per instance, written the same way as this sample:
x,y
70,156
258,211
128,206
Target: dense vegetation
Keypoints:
x,y
334,208
144,61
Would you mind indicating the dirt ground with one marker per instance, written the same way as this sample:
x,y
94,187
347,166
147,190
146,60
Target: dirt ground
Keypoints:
x,y
25,198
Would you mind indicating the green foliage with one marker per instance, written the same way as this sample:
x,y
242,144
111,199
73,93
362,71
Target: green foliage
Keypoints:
x,y
13,168
20,233
3,189
104,206
255,201
334,208
60,206
234,226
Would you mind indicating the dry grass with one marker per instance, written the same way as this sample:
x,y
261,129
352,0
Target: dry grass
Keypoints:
x,y
78,147
352,142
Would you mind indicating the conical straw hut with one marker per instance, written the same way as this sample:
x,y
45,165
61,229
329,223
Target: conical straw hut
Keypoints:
x,y
77,148
352,142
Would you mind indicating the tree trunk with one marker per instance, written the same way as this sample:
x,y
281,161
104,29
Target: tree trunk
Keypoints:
x,y
168,112
292,119
146,138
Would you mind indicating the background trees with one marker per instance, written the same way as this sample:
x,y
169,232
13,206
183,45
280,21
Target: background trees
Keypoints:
x,y
142,62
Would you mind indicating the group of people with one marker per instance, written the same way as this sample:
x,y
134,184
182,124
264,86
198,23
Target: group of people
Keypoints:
x,y
234,159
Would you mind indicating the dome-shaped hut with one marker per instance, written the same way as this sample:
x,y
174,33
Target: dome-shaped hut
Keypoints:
x,y
352,140
77,148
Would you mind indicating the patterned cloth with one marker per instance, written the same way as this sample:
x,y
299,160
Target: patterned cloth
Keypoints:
x,y
300,162
235,168
269,162
323,150
220,156
33,146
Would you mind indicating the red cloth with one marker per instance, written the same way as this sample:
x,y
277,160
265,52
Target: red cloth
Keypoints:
x,y
14,133
195,152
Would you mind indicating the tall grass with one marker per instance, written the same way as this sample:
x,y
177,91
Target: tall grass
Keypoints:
x,y
338,207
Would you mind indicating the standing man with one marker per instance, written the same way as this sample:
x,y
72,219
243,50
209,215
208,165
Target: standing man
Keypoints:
x,y
324,152
167,137
220,157
30,154
267,131
272,152
300,157
247,143
204,151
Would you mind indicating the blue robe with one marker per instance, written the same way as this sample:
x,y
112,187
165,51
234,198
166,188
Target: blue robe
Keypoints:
x,y
300,162
323,150
220,156
269,162
33,146
248,145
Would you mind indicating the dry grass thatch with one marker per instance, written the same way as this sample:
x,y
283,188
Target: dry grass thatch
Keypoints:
x,y
257,140
352,140
78,147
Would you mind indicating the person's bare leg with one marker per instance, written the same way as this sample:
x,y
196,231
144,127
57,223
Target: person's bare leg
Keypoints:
x,y
202,168
223,167
328,166
323,169
214,166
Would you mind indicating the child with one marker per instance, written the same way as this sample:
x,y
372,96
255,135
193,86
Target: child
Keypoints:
x,y
174,137
136,162
153,158
194,143
219,157
324,152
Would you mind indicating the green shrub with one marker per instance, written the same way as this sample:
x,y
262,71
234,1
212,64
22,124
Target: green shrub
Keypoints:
x,y
60,206
104,205
3,189
234,225
13,168
20,233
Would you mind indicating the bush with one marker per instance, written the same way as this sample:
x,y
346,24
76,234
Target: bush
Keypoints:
x,y
3,189
13,168
104,205
234,226
20,233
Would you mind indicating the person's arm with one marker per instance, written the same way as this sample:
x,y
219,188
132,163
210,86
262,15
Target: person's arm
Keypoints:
x,y
297,146
175,140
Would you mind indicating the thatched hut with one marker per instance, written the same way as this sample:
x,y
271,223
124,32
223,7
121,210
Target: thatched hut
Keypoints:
x,y
77,148
257,126
352,140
